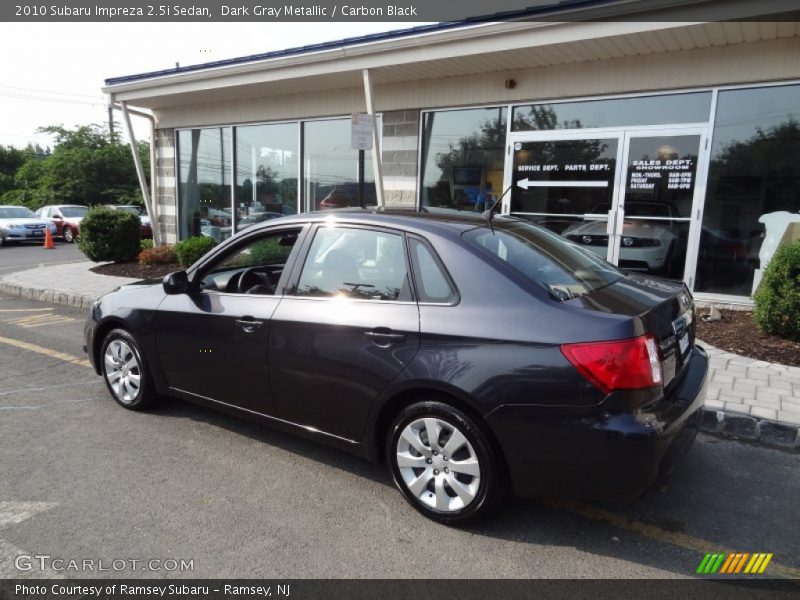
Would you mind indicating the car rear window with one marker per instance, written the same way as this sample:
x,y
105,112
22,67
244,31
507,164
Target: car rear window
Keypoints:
x,y
74,211
565,270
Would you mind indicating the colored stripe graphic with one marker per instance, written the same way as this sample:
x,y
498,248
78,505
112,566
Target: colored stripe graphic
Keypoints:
x,y
735,562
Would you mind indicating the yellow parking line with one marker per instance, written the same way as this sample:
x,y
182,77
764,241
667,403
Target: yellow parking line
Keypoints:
x,y
46,351
682,540
25,309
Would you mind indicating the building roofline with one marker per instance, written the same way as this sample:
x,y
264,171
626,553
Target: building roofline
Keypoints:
x,y
368,39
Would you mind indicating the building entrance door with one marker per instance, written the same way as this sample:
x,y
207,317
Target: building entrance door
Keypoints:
x,y
630,196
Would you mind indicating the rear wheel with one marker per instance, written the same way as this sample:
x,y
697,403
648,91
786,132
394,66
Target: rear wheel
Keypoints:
x,y
125,371
69,235
443,463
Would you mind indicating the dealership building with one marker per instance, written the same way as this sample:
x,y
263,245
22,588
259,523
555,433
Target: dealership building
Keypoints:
x,y
667,147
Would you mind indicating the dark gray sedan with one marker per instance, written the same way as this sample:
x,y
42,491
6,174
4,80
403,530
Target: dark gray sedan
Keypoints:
x,y
472,356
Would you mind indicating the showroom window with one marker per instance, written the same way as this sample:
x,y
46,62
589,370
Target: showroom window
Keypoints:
x,y
753,190
204,171
267,164
331,167
614,112
462,157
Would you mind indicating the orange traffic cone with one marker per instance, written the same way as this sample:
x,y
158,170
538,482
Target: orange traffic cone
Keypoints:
x,y
48,239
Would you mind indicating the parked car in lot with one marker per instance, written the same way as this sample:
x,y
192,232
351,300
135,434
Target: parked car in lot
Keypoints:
x,y
20,224
66,217
146,229
463,353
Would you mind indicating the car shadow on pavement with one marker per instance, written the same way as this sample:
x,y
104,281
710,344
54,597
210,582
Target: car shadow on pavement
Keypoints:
x,y
727,495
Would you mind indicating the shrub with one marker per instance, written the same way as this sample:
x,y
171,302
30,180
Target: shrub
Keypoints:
x,y
190,250
159,255
778,297
145,244
109,235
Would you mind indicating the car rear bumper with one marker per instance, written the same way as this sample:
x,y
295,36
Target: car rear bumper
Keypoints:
x,y
602,456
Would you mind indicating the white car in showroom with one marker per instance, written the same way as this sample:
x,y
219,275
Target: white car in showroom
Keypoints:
x,y
20,224
647,244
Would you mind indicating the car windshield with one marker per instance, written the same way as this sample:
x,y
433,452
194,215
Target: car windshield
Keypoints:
x,y
131,209
15,212
564,269
74,211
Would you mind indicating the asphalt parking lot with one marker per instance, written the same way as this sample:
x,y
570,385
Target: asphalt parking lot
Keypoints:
x,y
82,478
16,257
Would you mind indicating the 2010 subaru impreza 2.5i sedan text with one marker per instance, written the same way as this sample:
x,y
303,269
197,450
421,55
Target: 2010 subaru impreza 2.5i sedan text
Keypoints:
x,y
471,355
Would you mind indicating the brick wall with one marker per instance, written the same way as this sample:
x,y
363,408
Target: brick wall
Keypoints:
x,y
166,191
400,141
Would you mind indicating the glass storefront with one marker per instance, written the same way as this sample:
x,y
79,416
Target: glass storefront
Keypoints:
x,y
204,182
267,162
753,186
331,167
462,157
623,177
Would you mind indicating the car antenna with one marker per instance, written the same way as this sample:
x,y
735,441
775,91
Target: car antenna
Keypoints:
x,y
488,214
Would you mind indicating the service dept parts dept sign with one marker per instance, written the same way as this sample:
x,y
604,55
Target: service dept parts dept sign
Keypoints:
x,y
361,131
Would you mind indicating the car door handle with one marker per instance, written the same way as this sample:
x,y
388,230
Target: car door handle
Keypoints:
x,y
385,338
249,324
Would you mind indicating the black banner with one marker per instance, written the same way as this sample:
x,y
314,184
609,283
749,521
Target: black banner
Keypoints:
x,y
339,11
306,589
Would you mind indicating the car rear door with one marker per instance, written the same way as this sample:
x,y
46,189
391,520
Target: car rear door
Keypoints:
x,y
347,326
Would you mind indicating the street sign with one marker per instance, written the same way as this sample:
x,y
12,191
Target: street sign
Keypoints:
x,y
361,131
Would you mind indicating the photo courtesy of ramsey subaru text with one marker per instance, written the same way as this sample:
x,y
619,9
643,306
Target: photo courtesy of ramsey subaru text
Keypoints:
x,y
474,355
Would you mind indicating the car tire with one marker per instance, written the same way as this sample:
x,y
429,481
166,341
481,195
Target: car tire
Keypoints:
x,y
2,240
125,371
449,483
69,235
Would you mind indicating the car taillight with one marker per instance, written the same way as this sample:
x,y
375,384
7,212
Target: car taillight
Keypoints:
x,y
619,365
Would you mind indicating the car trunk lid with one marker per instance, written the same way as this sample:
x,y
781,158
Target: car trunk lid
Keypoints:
x,y
665,309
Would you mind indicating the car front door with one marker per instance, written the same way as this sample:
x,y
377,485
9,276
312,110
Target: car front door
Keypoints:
x,y
346,328
212,341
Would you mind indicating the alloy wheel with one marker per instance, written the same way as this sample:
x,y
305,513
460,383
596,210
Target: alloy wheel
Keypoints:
x,y
69,236
438,464
122,370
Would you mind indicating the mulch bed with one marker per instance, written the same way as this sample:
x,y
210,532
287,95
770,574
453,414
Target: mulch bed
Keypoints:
x,y
135,270
738,333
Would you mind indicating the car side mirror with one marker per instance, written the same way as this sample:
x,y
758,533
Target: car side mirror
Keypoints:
x,y
176,283
56,217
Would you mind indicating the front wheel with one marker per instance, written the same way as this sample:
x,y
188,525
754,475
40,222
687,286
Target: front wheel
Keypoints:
x,y
443,463
69,235
125,371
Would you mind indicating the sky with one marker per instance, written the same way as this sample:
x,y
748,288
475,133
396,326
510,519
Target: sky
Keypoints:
x,y
51,73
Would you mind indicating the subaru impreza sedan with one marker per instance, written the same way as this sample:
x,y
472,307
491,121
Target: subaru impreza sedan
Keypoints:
x,y
470,355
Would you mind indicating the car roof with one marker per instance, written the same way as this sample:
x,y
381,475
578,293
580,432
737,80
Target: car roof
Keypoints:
x,y
451,221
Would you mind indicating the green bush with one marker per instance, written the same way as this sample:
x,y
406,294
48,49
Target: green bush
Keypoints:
x,y
110,235
777,300
160,255
190,250
146,244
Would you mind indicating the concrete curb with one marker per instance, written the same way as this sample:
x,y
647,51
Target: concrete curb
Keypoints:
x,y
44,295
751,430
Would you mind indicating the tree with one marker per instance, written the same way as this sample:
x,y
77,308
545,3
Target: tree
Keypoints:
x,y
87,166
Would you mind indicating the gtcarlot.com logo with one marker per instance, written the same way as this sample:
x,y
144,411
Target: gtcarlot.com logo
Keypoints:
x,y
734,563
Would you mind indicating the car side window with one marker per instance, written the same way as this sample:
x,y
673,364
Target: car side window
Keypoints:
x,y
355,263
255,268
433,285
